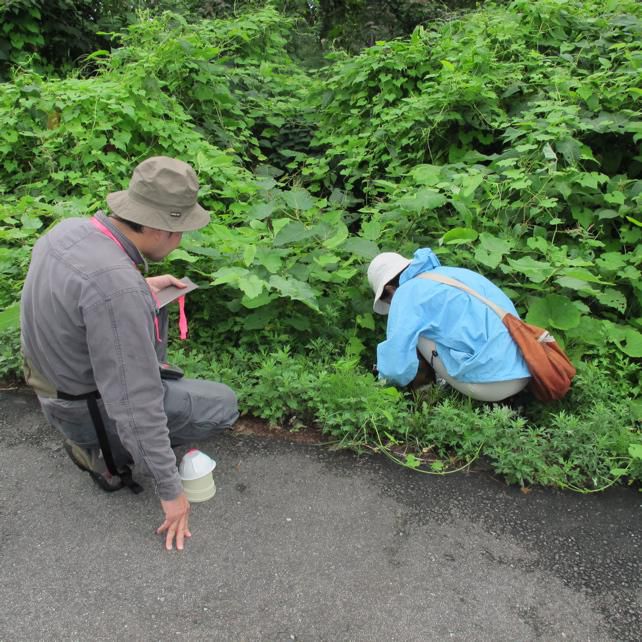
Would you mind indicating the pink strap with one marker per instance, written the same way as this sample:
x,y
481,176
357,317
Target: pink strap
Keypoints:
x,y
182,318
107,232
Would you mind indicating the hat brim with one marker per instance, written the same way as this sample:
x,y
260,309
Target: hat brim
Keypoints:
x,y
125,207
379,306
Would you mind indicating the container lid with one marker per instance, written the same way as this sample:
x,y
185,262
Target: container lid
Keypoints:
x,y
195,464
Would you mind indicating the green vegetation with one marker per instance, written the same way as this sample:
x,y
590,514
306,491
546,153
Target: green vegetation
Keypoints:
x,y
507,139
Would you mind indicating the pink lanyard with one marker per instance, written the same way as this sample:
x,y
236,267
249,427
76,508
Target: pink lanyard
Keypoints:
x,y
182,317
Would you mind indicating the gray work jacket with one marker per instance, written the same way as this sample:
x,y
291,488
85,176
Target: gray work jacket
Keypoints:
x,y
87,319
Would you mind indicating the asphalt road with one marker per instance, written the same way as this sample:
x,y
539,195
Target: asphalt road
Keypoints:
x,y
301,543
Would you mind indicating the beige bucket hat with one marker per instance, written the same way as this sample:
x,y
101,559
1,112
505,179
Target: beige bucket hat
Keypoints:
x,y
162,194
382,269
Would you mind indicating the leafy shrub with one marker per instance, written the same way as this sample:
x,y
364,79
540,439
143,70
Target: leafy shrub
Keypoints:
x,y
10,356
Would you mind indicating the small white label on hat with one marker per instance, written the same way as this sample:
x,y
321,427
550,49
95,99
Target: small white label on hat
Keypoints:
x,y
176,214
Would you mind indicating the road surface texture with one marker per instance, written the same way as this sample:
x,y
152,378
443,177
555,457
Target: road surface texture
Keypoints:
x,y
302,543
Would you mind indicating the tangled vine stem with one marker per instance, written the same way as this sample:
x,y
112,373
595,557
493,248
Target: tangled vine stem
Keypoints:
x,y
389,454
589,491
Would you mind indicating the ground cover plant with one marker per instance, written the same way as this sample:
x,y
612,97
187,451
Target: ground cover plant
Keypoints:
x,y
507,139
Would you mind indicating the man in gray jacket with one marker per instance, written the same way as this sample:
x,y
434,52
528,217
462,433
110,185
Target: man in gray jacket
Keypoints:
x,y
91,330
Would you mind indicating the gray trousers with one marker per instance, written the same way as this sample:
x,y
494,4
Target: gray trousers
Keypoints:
x,y
195,409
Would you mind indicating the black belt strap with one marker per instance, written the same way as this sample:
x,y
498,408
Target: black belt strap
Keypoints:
x,y
125,473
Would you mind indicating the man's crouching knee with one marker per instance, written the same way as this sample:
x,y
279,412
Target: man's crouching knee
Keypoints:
x,y
214,406
227,411
196,408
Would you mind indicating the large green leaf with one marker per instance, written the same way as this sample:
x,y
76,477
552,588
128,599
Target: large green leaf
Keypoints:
x,y
295,289
428,175
494,243
10,317
252,286
576,284
181,255
260,211
535,271
583,275
229,275
249,252
553,311
613,299
371,230
270,258
469,183
632,343
423,199
491,249
361,247
458,235
628,339
611,261
589,331
492,260
258,301
30,222
293,232
299,199
569,148
341,233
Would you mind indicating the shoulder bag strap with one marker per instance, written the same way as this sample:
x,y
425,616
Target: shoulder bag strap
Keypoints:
x,y
440,278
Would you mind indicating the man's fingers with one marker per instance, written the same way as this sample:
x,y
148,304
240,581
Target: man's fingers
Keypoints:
x,y
170,537
175,531
176,521
180,539
183,531
175,281
158,283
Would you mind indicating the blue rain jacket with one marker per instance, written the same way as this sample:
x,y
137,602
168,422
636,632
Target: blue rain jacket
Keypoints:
x,y
472,342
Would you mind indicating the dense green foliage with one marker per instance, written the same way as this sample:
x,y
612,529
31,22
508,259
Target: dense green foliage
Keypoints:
x,y
508,140
56,34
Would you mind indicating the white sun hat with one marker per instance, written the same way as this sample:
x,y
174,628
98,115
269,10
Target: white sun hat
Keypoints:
x,y
382,269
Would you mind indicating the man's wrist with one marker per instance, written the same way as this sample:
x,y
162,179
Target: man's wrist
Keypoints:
x,y
170,489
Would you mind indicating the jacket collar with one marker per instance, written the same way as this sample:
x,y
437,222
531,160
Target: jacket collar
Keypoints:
x,y
132,251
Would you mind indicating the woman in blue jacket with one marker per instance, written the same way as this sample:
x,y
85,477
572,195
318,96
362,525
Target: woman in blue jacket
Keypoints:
x,y
463,340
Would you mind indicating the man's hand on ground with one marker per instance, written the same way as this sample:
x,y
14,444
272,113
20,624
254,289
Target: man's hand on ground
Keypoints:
x,y
158,283
175,524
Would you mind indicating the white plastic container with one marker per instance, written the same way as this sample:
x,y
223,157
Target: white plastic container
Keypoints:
x,y
196,475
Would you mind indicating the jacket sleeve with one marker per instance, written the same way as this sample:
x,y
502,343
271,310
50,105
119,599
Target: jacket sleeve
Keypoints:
x,y
121,343
397,356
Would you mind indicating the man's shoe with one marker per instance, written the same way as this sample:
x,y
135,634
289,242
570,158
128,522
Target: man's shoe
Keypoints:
x,y
91,461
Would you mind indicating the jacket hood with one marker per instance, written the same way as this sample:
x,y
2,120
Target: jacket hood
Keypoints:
x,y
423,260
